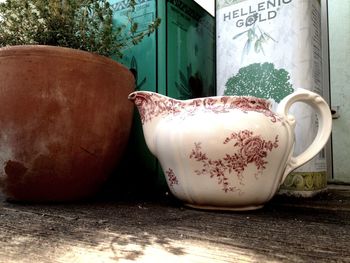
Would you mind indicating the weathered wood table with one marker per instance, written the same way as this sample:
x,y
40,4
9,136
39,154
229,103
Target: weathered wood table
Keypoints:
x,y
286,230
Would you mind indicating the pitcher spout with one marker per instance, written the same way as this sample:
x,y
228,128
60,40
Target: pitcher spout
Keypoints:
x,y
151,106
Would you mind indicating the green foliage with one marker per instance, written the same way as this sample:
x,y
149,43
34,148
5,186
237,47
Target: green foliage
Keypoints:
x,y
260,80
79,24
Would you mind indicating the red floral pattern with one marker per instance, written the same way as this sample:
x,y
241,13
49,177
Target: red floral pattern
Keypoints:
x,y
152,105
250,149
171,177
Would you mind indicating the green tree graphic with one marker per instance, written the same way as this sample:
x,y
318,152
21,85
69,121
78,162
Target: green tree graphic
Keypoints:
x,y
260,80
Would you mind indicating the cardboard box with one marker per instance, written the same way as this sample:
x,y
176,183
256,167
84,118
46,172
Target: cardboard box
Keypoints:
x,y
178,61
268,49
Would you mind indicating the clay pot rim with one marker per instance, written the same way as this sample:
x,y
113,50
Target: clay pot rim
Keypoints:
x,y
57,51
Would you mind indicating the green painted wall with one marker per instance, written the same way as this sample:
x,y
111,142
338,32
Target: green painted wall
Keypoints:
x,y
178,61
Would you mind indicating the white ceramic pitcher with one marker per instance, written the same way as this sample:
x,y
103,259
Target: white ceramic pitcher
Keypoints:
x,y
227,152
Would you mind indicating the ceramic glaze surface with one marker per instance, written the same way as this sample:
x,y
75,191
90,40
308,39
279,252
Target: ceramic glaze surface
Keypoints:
x,y
226,152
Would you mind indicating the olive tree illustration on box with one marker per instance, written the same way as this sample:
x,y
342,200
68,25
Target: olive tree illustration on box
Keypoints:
x,y
260,80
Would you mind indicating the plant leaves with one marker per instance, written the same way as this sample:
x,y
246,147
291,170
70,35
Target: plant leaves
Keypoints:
x,y
240,34
80,24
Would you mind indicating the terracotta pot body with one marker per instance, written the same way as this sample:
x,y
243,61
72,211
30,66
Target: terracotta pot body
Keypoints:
x,y
64,121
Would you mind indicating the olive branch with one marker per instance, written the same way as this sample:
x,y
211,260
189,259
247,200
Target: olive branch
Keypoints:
x,y
256,37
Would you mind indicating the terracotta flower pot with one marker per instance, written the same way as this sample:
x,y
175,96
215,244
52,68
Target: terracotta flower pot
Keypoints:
x,y
64,121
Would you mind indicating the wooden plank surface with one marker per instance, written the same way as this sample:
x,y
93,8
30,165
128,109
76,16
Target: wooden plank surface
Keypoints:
x,y
286,230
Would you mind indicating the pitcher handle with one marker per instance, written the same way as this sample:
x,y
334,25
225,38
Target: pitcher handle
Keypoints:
x,y
324,125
